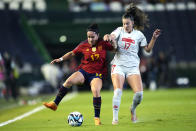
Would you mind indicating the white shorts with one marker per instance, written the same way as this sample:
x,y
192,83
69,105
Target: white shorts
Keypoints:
x,y
125,71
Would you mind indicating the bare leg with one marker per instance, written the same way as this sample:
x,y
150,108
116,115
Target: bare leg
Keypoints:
x,y
136,84
74,79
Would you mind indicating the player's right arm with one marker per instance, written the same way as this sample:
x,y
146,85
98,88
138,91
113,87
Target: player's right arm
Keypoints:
x,y
64,57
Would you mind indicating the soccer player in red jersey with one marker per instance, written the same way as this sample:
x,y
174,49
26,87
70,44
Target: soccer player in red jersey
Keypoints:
x,y
91,70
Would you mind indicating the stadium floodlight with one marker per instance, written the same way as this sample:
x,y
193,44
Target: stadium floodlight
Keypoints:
x,y
181,6
170,6
159,7
150,7
40,5
2,6
115,6
191,5
27,5
140,6
63,38
14,5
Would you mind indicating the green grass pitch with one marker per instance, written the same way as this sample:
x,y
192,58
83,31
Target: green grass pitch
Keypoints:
x,y
165,110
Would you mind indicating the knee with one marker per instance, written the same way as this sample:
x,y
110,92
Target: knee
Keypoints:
x,y
68,83
96,92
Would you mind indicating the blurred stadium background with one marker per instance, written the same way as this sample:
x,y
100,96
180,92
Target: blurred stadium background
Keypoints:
x,y
33,32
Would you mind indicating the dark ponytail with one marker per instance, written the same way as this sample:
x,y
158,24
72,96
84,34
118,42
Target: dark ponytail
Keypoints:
x,y
138,16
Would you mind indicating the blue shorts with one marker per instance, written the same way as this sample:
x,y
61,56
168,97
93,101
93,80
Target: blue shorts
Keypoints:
x,y
90,76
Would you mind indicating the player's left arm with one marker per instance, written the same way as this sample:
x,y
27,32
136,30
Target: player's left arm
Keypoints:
x,y
155,35
110,45
114,44
64,57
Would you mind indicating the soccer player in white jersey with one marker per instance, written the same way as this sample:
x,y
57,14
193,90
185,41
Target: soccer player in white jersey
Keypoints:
x,y
126,61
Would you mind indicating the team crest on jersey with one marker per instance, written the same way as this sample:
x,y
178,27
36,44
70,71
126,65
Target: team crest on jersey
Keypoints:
x,y
129,40
94,49
100,48
87,49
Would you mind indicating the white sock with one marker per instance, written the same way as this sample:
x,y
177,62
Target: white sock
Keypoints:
x,y
116,103
137,98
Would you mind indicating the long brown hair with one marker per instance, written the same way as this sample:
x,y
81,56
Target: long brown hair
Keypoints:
x,y
138,16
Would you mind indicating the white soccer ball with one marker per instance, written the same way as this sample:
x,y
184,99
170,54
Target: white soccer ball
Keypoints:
x,y
75,119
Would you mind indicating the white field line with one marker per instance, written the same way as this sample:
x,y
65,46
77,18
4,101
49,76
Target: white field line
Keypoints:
x,y
67,98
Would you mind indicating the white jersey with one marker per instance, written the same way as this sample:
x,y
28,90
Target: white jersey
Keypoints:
x,y
128,47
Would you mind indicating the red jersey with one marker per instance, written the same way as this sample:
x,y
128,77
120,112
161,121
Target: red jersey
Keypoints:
x,y
94,58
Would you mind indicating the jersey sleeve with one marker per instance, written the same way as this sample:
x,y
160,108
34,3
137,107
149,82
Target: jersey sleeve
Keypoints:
x,y
108,46
143,41
77,50
116,32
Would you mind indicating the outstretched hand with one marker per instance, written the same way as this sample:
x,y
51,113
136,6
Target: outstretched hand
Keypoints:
x,y
107,37
55,61
156,33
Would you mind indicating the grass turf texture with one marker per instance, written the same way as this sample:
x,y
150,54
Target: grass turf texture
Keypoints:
x,y
173,109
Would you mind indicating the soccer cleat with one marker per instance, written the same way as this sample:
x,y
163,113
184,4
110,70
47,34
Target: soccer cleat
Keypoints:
x,y
133,116
114,122
50,105
97,121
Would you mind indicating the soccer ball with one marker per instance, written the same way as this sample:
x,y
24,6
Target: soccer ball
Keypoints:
x,y
75,119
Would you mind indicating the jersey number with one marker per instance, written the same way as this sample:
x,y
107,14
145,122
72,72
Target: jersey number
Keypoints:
x,y
128,42
95,57
127,45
